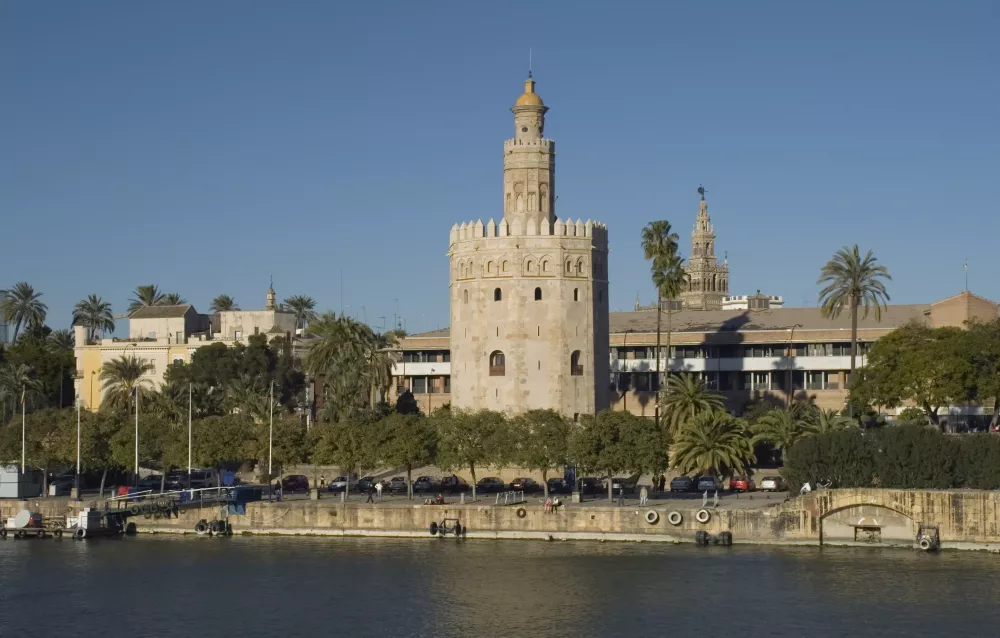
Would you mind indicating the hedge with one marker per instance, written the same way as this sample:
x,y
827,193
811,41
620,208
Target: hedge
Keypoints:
x,y
905,456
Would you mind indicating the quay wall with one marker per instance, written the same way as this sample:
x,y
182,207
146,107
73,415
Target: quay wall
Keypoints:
x,y
965,519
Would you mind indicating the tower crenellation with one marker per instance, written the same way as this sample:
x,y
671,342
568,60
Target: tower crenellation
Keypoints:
x,y
529,302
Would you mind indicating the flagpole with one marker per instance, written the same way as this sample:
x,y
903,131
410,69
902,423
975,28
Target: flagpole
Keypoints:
x,y
190,394
78,446
22,430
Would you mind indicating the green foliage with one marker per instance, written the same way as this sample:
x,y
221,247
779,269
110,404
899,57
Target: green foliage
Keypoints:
x,y
49,365
407,440
933,367
143,296
715,441
223,303
685,397
907,456
541,440
94,313
304,309
782,428
472,440
352,445
618,442
912,415
121,378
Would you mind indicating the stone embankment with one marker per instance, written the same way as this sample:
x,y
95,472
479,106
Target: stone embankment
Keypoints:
x,y
963,519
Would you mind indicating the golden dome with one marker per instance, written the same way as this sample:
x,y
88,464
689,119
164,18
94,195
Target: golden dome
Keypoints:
x,y
529,97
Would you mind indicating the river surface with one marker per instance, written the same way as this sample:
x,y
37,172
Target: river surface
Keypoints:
x,y
170,586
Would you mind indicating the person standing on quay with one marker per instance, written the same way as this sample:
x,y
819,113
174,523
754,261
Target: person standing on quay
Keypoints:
x,y
643,495
371,494
378,488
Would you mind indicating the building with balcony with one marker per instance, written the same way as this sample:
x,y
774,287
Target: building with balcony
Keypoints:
x,y
773,354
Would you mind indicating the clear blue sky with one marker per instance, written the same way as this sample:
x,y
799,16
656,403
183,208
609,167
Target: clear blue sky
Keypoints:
x,y
205,146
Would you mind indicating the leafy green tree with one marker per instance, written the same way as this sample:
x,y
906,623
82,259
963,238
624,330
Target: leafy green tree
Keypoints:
x,y
842,457
291,443
304,309
852,283
51,365
143,296
782,428
984,351
62,340
685,397
223,303
471,440
172,299
94,313
22,306
409,440
247,396
912,415
617,442
931,367
659,245
350,445
542,441
121,378
223,441
715,442
18,385
830,420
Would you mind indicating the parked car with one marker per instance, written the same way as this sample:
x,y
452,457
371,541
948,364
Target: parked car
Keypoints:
x,y
709,483
62,484
742,484
590,485
397,485
558,486
773,484
150,483
295,483
339,484
525,484
425,484
683,484
365,483
490,484
625,484
453,484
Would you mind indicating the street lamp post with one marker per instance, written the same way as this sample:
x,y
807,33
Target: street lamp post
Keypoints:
x,y
23,429
190,403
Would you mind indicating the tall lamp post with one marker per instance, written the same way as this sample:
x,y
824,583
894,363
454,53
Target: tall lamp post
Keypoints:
x,y
23,428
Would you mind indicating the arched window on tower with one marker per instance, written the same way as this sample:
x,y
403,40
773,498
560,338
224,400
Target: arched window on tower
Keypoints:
x,y
575,367
576,294
531,265
569,267
465,296
538,294
497,294
498,366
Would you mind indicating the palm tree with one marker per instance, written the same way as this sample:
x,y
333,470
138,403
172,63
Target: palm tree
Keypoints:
x,y
223,303
685,398
94,313
246,395
61,340
659,245
830,420
145,296
853,282
783,427
17,383
715,441
21,306
303,307
352,360
172,299
121,377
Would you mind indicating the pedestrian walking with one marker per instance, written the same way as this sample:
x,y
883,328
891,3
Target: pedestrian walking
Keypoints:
x,y
371,494
663,483
643,495
621,496
378,488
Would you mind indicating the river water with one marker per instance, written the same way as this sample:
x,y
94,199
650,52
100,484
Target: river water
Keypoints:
x,y
243,586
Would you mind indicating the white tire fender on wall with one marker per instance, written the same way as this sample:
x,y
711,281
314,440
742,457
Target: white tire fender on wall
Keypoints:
x,y
703,516
652,517
674,518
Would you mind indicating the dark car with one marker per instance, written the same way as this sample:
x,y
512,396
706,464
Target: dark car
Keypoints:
x,y
525,484
295,483
490,484
150,483
589,485
424,484
619,483
558,486
397,485
453,484
683,484
366,483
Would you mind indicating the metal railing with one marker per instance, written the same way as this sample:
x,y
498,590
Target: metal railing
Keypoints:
x,y
510,498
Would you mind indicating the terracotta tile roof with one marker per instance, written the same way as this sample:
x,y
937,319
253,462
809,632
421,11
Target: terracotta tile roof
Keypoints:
x,y
161,312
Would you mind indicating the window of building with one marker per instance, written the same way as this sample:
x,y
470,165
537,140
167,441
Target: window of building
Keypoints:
x,y
498,366
576,294
447,385
497,294
760,381
237,334
819,349
725,381
447,356
814,380
256,330
641,380
419,385
465,296
624,381
179,336
575,367
712,380
832,380
538,294
178,361
531,265
152,334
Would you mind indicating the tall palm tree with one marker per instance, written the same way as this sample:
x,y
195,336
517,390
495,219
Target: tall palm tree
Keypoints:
x,y
172,299
303,307
783,427
223,303
121,377
714,441
21,306
94,313
659,245
61,340
685,397
352,361
853,282
247,395
143,296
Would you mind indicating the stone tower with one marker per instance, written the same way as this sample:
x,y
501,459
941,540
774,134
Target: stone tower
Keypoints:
x,y
271,300
529,296
708,281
